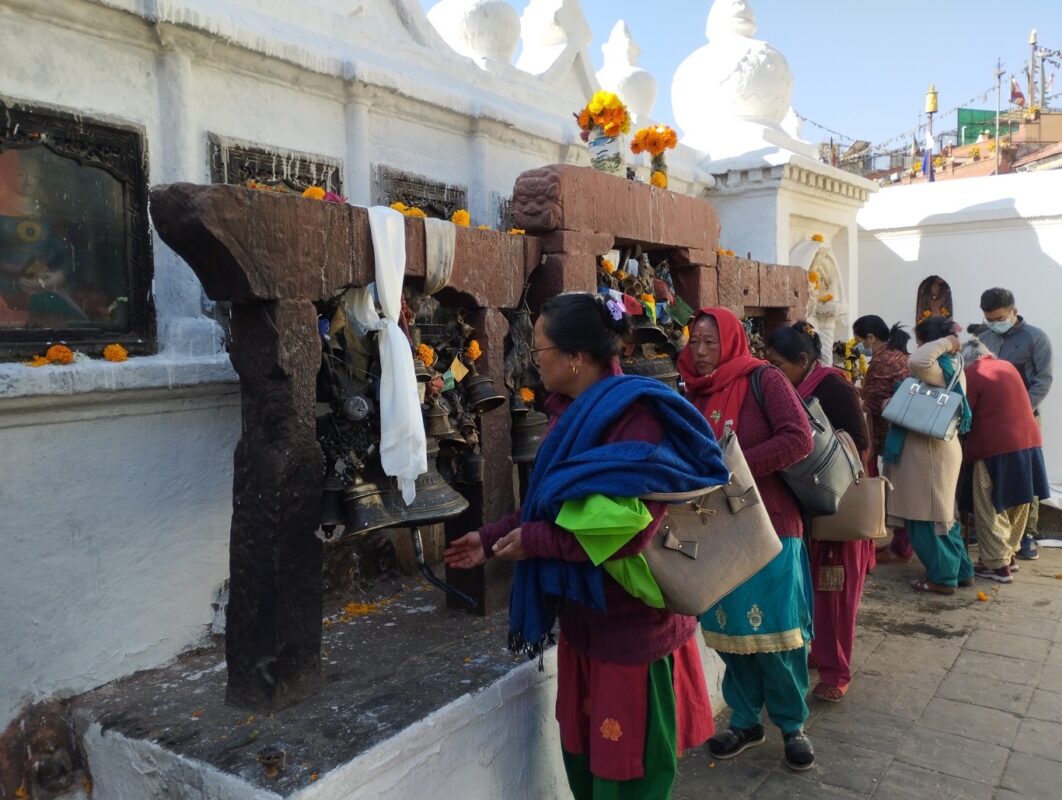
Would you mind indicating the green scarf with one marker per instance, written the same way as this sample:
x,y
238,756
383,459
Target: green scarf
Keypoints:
x,y
603,525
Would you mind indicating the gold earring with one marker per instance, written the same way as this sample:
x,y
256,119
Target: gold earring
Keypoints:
x,y
575,369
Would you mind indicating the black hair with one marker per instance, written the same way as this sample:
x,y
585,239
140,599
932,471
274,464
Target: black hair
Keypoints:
x,y
895,338
790,342
997,298
932,328
580,322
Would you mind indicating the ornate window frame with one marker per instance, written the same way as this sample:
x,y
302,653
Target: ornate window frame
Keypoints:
x,y
234,161
121,151
435,198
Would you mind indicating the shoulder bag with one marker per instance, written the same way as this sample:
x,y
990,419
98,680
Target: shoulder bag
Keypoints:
x,y
861,514
711,542
929,410
820,479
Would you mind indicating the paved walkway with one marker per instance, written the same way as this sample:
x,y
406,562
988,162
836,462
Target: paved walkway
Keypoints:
x,y
952,698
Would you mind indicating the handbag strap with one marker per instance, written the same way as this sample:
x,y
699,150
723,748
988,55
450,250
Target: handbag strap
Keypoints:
x,y
757,392
958,372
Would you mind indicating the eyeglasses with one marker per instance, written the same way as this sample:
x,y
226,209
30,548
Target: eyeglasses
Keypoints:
x,y
536,350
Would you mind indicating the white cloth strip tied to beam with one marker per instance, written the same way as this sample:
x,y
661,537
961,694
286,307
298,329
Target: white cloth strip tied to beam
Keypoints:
x,y
403,445
440,241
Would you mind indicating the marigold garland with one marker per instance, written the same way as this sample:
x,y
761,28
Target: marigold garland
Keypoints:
x,y
314,193
60,354
461,217
527,395
654,140
606,111
115,353
473,352
426,354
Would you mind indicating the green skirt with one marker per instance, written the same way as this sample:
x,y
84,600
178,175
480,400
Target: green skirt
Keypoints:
x,y
768,613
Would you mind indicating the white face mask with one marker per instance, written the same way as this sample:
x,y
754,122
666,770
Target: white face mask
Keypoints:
x,y
1000,327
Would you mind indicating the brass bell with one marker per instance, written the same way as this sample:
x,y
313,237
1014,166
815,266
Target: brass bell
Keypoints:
x,y
480,395
421,371
332,502
437,420
647,332
436,500
364,510
528,432
661,368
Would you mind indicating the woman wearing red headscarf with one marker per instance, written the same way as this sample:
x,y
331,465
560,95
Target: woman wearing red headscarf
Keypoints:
x,y
762,629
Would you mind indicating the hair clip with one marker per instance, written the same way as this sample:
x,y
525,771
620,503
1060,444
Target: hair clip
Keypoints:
x,y
615,309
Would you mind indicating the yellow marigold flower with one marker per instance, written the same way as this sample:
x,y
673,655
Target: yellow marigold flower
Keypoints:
x,y
813,279
397,206
415,212
648,298
826,298
461,217
608,266
817,237
483,227
115,352
426,354
37,361
730,252
517,231
527,395
473,352
658,179
314,193
60,354
982,597
621,275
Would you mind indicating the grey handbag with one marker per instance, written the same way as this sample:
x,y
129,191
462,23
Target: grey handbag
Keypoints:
x,y
821,478
711,542
928,410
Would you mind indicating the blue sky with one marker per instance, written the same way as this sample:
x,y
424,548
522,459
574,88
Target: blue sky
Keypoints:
x,y
859,68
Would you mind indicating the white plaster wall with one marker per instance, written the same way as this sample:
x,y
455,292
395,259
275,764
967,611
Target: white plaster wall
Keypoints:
x,y
502,742
114,523
976,233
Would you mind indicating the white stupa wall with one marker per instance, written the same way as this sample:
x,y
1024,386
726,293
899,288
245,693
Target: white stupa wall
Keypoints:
x,y
975,233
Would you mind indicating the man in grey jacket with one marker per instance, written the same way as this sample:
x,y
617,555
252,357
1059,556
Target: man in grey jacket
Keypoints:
x,y
1012,339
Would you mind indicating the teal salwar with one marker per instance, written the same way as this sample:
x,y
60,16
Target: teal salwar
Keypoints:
x,y
661,749
943,555
777,680
762,631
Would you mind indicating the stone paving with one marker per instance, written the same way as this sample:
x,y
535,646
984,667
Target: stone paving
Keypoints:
x,y
952,697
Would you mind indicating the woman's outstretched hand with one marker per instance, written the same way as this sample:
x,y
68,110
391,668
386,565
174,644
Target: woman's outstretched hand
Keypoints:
x,y
466,552
509,547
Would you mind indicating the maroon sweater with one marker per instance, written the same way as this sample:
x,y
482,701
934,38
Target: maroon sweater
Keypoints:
x,y
628,631
773,442
1003,420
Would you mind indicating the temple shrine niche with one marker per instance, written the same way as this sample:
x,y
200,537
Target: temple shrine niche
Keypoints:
x,y
933,299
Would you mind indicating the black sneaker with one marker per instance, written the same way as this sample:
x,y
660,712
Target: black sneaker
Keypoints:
x,y
1014,567
735,740
1001,575
799,754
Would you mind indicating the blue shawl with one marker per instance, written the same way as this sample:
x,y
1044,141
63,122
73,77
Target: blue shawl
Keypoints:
x,y
895,438
573,463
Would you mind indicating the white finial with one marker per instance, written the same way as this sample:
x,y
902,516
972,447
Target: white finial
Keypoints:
x,y
730,17
549,28
635,86
479,29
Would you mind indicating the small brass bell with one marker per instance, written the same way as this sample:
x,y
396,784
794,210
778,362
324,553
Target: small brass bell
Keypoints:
x,y
480,395
528,432
364,510
437,420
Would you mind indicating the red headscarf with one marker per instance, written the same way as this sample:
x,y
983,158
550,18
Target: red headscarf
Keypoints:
x,y
719,395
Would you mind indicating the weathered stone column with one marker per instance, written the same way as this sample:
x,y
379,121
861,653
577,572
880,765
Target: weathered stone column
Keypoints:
x,y
275,607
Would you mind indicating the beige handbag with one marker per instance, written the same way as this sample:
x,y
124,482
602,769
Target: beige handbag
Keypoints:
x,y
861,514
712,542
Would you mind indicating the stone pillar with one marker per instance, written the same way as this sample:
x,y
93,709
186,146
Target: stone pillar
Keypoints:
x,y
273,623
358,182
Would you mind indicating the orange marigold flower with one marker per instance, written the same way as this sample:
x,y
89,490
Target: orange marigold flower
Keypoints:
x,y
982,597
483,227
527,395
611,730
608,266
730,252
658,179
826,298
415,212
473,352
461,217
314,193
426,354
817,237
60,354
115,352
37,361
397,206
517,231
621,275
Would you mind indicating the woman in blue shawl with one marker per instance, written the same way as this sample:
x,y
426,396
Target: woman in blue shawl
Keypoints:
x,y
631,693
